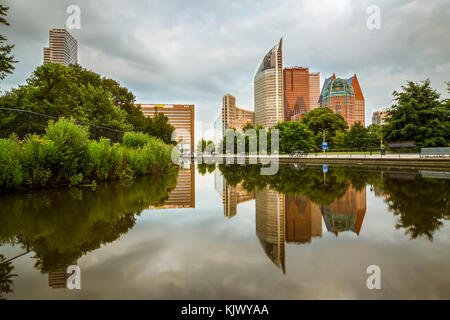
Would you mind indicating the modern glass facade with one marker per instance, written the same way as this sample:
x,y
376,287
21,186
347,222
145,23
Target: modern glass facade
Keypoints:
x,y
268,88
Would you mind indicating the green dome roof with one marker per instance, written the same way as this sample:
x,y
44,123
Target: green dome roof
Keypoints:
x,y
338,87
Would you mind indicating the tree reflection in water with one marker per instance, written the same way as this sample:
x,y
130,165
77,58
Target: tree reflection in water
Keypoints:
x,y
61,225
421,204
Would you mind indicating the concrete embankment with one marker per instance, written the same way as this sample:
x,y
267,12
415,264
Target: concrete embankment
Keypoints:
x,y
432,163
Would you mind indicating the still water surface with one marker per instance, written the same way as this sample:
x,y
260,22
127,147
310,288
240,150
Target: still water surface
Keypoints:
x,y
226,232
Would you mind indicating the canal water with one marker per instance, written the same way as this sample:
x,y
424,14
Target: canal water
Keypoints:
x,y
207,231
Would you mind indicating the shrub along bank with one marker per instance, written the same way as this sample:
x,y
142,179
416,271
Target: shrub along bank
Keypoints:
x,y
65,155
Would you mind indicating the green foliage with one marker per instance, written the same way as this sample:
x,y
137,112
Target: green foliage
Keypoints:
x,y
135,139
294,136
324,118
204,145
61,225
419,115
65,156
72,91
6,58
11,173
357,137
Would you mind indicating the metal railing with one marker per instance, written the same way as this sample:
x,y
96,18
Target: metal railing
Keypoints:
x,y
23,122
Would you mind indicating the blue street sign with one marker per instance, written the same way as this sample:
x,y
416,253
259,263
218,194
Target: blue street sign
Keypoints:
x,y
325,168
324,145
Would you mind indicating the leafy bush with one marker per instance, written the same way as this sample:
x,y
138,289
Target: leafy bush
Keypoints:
x,y
11,174
65,156
135,139
71,142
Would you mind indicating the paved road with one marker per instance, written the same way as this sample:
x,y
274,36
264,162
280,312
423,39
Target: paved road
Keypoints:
x,y
339,156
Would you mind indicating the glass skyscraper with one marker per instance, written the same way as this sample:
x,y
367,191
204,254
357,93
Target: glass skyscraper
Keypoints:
x,y
268,88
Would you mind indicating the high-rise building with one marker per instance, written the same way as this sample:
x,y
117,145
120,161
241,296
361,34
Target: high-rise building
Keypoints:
x,y
180,116
303,219
301,91
232,116
378,117
314,90
63,48
268,88
344,97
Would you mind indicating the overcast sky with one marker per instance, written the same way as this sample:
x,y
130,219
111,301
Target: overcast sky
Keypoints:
x,y
193,52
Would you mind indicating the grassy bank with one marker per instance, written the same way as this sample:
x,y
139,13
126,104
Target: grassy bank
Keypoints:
x,y
65,156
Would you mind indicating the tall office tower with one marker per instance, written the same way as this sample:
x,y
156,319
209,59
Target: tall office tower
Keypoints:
x,y
232,196
301,91
314,90
270,225
63,48
268,88
232,116
295,92
345,97
180,116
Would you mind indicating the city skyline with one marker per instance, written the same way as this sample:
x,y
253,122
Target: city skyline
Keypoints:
x,y
383,64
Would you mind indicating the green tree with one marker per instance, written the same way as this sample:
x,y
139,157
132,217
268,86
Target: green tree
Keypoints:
x,y
294,136
72,91
323,119
6,58
375,134
419,115
357,137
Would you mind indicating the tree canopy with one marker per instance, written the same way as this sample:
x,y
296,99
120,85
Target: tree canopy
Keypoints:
x,y
6,58
72,91
419,115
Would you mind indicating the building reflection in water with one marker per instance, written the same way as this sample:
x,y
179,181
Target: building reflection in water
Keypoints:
x,y
58,279
346,213
282,219
270,225
183,195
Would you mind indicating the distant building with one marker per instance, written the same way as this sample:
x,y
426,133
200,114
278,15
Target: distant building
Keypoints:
x,y
63,48
232,116
268,88
180,116
378,117
344,97
301,91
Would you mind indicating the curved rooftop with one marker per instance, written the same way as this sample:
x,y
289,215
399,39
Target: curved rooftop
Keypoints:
x,y
338,87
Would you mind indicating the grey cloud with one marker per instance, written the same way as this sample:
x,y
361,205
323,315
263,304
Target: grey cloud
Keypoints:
x,y
179,52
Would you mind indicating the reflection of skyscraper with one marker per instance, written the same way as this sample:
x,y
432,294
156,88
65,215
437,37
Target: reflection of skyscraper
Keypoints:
x,y
183,195
303,219
346,213
58,279
270,225
232,196
268,88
